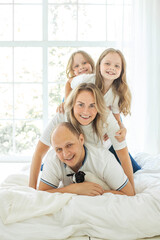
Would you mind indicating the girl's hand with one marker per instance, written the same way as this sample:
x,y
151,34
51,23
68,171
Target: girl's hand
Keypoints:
x,y
121,134
60,108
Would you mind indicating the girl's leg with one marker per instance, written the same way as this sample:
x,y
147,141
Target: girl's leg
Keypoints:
x,y
135,165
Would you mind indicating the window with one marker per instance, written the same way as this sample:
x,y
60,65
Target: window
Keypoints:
x,y
36,39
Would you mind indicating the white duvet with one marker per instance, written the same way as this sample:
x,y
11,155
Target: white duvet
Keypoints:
x,y
27,214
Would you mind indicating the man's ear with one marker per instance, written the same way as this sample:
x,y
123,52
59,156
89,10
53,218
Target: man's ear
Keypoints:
x,y
81,138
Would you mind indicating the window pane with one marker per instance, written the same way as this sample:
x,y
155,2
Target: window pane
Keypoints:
x,y
28,22
62,1
28,1
56,94
128,25
6,93
27,135
94,52
114,23
6,1
28,101
92,1
57,62
6,28
6,140
91,27
60,27
115,2
6,65
28,65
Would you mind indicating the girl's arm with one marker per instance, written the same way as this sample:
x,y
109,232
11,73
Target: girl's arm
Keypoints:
x,y
40,151
126,164
68,89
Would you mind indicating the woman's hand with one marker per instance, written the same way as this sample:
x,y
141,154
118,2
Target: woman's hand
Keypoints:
x,y
60,108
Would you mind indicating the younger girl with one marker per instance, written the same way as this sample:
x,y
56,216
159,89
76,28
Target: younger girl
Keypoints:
x,y
79,63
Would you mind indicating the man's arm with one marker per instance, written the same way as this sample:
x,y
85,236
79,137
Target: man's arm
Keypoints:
x,y
127,190
85,188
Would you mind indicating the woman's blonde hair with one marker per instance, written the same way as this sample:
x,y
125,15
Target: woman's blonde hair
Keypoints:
x,y
69,69
102,110
119,85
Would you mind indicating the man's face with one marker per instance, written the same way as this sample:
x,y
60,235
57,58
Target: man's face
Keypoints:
x,y
69,148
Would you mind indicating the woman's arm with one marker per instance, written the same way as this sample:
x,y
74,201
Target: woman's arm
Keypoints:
x,y
40,151
120,147
121,133
126,164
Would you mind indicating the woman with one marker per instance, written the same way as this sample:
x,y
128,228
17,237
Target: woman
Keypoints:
x,y
85,109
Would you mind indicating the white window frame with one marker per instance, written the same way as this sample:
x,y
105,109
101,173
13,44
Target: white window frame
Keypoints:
x,y
45,44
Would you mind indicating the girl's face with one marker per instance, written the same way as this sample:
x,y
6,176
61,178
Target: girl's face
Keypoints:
x,y
111,66
80,65
84,108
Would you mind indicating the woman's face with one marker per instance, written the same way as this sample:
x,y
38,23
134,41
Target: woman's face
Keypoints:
x,y
84,108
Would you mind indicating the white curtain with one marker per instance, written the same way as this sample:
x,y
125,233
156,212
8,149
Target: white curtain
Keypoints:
x,y
144,126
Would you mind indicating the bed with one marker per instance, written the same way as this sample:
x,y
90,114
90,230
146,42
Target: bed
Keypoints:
x,y
27,214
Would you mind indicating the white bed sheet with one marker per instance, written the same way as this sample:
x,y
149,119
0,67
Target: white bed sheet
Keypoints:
x,y
29,214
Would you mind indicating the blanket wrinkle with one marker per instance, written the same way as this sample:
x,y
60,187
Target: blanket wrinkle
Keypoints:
x,y
20,203
30,214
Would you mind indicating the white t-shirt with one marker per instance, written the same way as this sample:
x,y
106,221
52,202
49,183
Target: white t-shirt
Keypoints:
x,y
110,98
99,161
90,137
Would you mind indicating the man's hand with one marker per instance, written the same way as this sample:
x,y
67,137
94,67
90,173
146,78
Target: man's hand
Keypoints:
x,y
85,188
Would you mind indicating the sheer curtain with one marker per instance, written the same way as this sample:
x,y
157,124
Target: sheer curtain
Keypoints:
x,y
144,129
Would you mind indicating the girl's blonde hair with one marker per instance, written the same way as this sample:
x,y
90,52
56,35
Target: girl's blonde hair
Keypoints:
x,y
119,85
69,70
102,110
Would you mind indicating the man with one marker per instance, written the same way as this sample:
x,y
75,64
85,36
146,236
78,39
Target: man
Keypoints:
x,y
70,155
